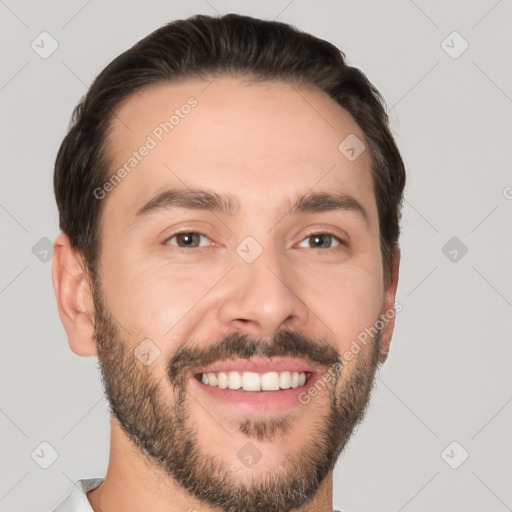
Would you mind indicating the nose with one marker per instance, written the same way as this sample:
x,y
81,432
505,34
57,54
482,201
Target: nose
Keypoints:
x,y
263,297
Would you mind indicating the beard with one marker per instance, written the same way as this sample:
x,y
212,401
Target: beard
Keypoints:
x,y
161,428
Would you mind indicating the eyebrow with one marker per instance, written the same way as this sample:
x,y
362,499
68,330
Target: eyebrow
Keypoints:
x,y
228,204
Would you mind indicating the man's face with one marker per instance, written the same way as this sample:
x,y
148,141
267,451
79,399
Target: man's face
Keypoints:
x,y
257,290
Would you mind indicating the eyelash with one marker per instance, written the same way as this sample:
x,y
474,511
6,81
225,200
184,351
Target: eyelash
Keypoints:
x,y
309,235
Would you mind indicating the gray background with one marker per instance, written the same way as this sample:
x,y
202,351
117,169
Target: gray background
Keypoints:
x,y
448,375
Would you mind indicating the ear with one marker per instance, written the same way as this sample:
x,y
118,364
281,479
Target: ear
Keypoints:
x,y
388,308
74,299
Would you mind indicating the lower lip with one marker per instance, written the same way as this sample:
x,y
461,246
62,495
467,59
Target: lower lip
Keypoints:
x,y
256,401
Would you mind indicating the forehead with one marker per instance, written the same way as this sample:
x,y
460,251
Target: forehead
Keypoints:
x,y
250,140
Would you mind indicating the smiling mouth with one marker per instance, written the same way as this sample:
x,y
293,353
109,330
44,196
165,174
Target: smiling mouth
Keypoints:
x,y
254,381
255,386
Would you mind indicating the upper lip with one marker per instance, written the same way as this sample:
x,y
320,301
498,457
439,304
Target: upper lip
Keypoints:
x,y
257,365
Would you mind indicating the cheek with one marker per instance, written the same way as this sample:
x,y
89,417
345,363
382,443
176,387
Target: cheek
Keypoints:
x,y
348,302
156,300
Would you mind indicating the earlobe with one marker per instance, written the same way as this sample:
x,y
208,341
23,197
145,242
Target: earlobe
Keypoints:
x,y
73,294
388,309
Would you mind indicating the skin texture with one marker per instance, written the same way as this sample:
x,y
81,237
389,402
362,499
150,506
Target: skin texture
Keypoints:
x,y
171,447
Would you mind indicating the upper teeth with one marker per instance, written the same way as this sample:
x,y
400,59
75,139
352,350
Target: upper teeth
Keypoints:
x,y
251,381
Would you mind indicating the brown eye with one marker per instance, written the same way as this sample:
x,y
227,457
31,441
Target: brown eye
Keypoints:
x,y
322,241
186,240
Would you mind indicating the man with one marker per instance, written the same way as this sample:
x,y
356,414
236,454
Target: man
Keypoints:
x,y
229,197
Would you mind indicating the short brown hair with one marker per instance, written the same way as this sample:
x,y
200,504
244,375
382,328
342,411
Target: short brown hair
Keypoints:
x,y
204,47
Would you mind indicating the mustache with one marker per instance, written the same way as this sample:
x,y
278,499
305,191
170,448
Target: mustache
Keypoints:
x,y
284,343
